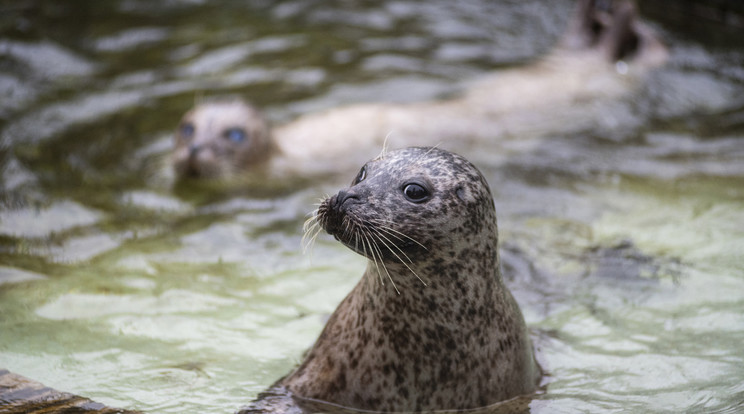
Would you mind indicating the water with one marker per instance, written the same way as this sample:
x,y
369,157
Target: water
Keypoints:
x,y
622,242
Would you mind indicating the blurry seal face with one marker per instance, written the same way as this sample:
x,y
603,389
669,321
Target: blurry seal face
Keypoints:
x,y
218,139
430,326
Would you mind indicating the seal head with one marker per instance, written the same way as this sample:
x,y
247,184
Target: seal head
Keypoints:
x,y
219,138
408,203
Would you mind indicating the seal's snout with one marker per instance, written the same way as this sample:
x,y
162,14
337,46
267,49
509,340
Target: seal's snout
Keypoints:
x,y
343,199
335,209
194,150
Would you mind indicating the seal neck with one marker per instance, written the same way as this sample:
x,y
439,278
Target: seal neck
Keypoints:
x,y
422,287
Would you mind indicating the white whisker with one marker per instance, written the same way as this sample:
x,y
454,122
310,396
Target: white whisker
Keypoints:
x,y
311,231
380,237
385,240
374,258
379,254
381,224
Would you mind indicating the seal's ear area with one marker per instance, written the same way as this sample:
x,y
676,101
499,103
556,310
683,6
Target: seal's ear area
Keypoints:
x,y
463,193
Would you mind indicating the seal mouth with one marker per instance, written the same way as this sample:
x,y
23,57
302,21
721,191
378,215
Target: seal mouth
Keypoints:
x,y
194,167
334,218
192,171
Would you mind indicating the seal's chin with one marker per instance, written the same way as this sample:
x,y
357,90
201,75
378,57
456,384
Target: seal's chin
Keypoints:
x,y
331,219
348,235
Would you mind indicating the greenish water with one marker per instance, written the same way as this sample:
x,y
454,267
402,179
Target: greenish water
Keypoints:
x,y
623,243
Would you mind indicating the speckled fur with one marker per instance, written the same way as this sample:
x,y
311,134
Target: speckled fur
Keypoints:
x,y
449,336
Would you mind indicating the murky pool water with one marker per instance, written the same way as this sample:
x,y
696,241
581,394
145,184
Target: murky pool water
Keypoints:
x,y
623,242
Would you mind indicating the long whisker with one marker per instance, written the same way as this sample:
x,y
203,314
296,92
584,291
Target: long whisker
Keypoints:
x,y
379,254
356,243
361,236
383,153
311,228
368,243
382,225
382,239
400,236
318,229
385,240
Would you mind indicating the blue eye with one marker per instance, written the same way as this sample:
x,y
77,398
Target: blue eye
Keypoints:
x,y
186,130
236,134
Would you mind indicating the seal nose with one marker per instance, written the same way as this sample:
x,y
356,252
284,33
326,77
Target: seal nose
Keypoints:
x,y
194,149
333,211
344,196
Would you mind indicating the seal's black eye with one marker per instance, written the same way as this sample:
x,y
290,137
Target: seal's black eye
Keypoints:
x,y
415,193
361,176
236,134
186,130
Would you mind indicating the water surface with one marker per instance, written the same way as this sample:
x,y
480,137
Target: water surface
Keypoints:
x,y
622,243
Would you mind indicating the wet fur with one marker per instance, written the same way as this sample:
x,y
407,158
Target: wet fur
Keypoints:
x,y
430,326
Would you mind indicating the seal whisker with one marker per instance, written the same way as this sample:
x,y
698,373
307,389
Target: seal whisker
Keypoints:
x,y
376,254
316,233
383,153
366,240
357,233
356,243
379,254
311,229
380,237
381,224
311,221
392,246
348,226
400,236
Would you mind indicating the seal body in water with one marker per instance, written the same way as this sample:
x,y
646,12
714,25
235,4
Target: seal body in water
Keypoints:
x,y
603,57
431,325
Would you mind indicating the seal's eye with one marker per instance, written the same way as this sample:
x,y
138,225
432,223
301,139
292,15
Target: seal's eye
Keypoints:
x,y
186,130
415,193
236,134
361,176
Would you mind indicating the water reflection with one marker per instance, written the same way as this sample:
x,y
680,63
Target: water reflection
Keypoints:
x,y
624,240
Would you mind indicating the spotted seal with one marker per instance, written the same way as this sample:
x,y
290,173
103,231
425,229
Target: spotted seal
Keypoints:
x,y
431,325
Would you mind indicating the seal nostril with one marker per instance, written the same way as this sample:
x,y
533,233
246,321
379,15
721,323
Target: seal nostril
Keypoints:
x,y
342,197
193,149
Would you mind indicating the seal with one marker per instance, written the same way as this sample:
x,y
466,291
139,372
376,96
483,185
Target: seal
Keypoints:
x,y
430,325
219,138
603,57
